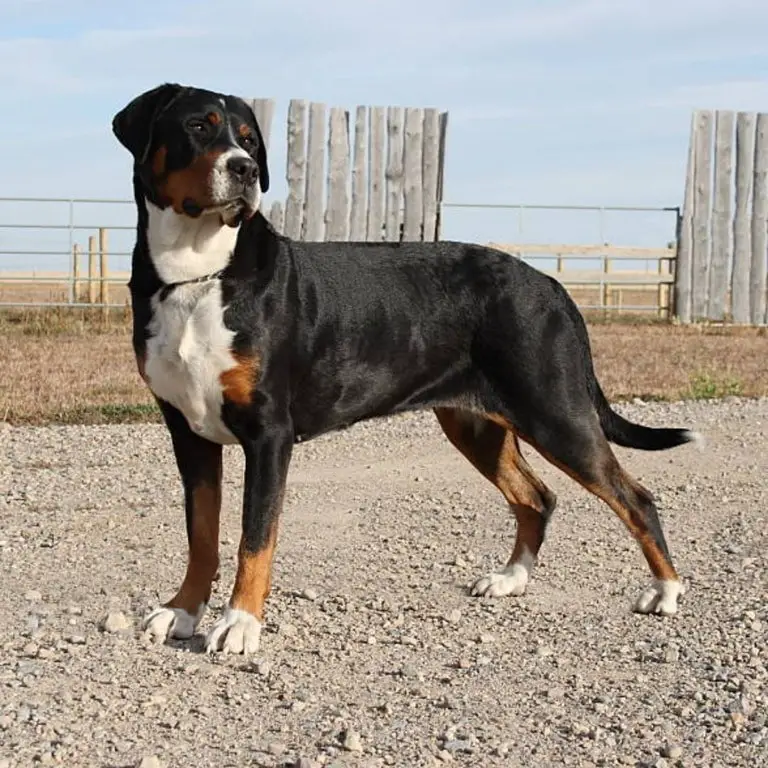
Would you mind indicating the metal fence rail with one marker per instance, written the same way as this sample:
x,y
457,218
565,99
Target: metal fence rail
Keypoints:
x,y
594,272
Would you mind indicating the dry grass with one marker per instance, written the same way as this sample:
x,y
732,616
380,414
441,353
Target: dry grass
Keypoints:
x,y
72,366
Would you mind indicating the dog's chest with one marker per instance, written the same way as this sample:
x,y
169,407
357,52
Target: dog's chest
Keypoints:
x,y
188,350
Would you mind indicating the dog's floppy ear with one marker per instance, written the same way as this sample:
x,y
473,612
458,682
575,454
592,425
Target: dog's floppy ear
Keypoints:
x,y
133,124
261,152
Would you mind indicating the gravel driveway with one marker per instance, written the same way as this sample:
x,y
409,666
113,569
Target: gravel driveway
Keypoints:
x,y
373,653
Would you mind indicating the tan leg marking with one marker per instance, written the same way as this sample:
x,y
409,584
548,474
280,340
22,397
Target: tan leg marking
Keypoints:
x,y
203,561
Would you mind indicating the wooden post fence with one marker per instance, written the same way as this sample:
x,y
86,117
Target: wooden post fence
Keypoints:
x,y
722,264
377,177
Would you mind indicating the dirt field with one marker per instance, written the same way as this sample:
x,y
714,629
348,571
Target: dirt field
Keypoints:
x,y
89,373
374,654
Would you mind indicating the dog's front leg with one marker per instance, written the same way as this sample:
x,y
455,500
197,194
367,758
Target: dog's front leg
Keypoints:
x,y
267,456
199,463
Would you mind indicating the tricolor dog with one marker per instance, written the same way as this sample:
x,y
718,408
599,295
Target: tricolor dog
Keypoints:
x,y
247,337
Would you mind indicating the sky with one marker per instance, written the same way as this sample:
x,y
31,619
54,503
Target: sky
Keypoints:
x,y
584,102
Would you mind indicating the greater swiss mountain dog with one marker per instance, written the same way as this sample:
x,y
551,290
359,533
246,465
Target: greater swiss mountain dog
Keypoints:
x,y
245,336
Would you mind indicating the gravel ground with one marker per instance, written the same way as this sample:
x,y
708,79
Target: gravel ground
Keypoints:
x,y
373,653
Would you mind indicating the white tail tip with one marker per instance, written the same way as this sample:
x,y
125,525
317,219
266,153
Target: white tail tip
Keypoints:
x,y
696,438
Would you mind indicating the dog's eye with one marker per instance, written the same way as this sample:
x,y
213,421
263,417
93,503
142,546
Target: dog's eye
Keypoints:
x,y
197,126
246,141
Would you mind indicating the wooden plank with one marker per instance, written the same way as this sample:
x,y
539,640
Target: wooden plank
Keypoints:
x,y
702,204
596,251
742,236
92,269
413,140
337,209
276,216
264,109
375,220
722,244
598,278
357,212
75,273
314,224
296,169
441,169
684,262
430,166
757,273
394,174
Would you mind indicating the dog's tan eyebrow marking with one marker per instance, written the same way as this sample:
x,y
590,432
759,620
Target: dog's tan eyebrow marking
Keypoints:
x,y
214,118
244,130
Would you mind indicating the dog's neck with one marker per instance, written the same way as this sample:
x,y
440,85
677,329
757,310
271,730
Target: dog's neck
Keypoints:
x,y
183,249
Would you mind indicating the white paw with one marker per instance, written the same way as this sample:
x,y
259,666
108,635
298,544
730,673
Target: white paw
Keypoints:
x,y
164,622
511,581
235,632
661,597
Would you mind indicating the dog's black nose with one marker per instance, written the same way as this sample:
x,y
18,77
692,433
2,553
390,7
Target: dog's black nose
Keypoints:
x,y
242,168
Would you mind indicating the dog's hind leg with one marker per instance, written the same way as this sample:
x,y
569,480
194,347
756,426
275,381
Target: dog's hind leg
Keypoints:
x,y
494,450
579,448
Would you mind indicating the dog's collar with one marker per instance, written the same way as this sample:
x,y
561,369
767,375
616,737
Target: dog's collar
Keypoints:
x,y
168,287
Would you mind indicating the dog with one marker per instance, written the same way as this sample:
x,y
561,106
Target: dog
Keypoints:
x,y
246,337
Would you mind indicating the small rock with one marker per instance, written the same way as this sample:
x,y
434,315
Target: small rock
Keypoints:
x,y
276,748
115,622
309,594
556,693
76,640
458,745
672,751
486,637
151,761
454,617
31,650
33,596
352,741
445,756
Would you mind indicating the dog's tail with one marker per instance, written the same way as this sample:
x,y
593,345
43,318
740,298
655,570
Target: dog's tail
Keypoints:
x,y
616,428
627,434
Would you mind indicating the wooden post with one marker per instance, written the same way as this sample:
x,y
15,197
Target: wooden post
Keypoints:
x,y
296,169
357,211
702,204
684,261
314,225
663,297
721,216
103,268
413,216
75,272
394,174
745,164
337,208
276,215
430,171
263,109
92,269
441,171
375,220
757,275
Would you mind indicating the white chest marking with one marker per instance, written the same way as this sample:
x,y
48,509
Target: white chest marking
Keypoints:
x,y
189,345
189,349
182,248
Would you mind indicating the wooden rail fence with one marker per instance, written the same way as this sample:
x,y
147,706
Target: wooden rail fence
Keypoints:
x,y
723,253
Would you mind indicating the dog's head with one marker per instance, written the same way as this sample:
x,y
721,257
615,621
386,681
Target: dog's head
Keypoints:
x,y
196,151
